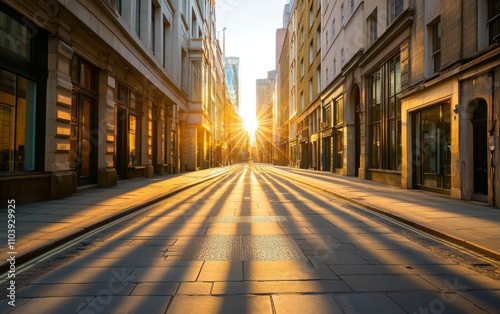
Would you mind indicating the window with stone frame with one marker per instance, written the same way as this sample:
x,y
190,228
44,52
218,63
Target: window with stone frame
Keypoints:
x,y
372,27
493,21
436,45
385,116
395,8
133,137
338,124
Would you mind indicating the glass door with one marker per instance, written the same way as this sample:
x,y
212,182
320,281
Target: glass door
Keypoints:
x,y
83,149
432,148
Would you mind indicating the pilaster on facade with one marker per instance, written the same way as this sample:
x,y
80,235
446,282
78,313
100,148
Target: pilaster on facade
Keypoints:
x,y
107,176
58,120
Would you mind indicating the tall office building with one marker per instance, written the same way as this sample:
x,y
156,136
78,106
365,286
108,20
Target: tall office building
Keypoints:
x,y
231,67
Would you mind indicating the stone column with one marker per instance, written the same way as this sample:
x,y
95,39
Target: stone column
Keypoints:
x,y
106,175
58,119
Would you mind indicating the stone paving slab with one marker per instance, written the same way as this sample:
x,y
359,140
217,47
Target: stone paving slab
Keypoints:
x,y
373,303
283,270
47,305
488,302
387,283
225,304
68,275
163,274
437,302
147,289
127,304
69,289
275,287
195,288
221,271
301,304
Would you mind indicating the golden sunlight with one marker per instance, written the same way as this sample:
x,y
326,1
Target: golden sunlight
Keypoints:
x,y
251,125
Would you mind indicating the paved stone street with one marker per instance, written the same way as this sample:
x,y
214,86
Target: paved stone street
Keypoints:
x,y
255,243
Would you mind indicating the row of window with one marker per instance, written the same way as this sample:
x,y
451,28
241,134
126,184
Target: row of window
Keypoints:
x,y
158,33
19,93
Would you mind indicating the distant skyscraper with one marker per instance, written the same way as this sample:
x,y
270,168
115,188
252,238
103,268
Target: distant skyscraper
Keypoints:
x,y
264,92
286,13
232,67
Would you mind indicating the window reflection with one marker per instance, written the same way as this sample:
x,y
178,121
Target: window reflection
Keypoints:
x,y
17,123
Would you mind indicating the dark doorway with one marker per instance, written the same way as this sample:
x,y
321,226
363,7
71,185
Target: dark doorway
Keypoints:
x,y
357,131
121,149
480,138
154,143
327,153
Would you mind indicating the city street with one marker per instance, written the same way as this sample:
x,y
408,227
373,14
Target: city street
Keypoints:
x,y
255,242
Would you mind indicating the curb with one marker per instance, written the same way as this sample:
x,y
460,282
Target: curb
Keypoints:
x,y
431,231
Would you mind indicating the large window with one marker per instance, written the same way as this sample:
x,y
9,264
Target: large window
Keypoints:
x,y
338,124
138,17
494,20
17,122
385,116
394,116
372,27
342,15
133,137
432,147
15,37
436,45
327,116
395,8
334,30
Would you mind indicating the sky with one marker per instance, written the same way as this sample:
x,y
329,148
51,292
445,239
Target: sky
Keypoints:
x,y
251,36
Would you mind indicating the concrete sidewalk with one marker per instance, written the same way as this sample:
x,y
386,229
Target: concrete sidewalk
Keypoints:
x,y
43,225
469,224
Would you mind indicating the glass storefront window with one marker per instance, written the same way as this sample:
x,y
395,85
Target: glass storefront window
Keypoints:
x,y
133,141
339,147
17,123
385,116
432,147
15,37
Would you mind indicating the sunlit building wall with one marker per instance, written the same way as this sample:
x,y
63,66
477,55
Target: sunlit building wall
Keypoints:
x,y
280,149
408,98
264,142
283,115
115,90
306,46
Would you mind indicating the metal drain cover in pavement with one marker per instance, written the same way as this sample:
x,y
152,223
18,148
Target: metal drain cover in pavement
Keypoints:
x,y
243,248
229,219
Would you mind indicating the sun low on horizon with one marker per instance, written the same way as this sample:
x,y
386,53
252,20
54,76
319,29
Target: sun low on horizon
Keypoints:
x,y
251,124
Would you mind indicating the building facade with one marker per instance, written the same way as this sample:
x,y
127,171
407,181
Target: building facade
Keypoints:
x,y
232,70
264,136
97,91
308,83
407,89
